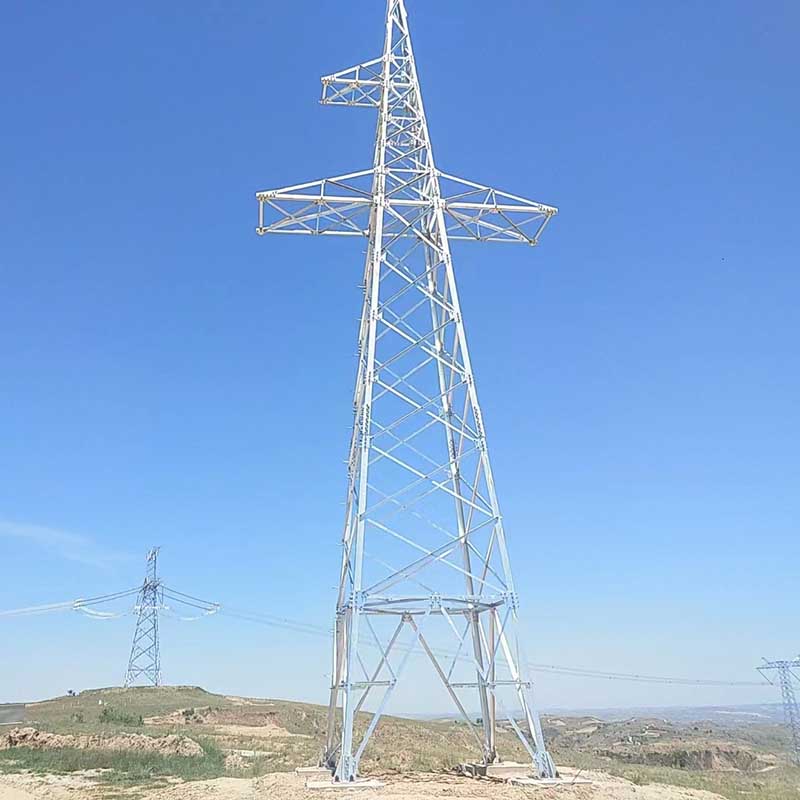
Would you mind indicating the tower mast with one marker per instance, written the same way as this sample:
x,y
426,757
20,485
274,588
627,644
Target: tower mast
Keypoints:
x,y
144,664
424,552
786,675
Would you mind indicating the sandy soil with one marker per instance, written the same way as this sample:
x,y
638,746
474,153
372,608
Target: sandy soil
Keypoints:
x,y
258,731
135,742
288,786
46,787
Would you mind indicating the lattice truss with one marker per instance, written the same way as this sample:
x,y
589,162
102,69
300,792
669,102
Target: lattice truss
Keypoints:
x,y
144,664
787,674
425,563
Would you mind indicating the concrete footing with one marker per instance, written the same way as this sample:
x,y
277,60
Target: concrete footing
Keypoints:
x,y
543,783
500,770
515,774
358,783
321,778
313,773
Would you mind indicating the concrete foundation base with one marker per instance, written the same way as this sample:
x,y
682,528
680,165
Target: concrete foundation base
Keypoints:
x,y
314,773
515,774
544,783
358,783
500,770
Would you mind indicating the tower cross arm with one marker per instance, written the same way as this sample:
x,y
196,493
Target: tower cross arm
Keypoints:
x,y
485,214
787,666
358,86
337,206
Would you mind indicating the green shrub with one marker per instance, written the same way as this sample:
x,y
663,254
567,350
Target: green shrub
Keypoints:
x,y
113,715
120,766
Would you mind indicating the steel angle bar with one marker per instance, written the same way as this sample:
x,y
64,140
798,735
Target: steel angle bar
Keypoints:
x,y
392,570
510,717
266,194
545,209
453,365
418,408
401,574
493,648
456,657
376,717
384,660
405,442
428,477
449,686
409,507
415,283
403,379
478,666
418,515
420,548
402,319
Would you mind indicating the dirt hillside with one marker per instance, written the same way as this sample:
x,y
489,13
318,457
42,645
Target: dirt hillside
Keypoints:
x,y
288,786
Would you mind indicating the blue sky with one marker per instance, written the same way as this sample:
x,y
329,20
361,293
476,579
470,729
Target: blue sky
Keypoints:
x,y
167,377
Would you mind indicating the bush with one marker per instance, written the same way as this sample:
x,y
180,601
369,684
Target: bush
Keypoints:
x,y
113,715
120,766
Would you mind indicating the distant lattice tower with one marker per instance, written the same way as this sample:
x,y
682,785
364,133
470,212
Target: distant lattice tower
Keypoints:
x,y
786,676
144,664
424,547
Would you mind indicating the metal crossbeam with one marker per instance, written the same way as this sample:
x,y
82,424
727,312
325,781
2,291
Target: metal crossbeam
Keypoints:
x,y
424,544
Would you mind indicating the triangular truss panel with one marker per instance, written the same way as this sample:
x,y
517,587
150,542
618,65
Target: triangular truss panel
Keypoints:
x,y
425,564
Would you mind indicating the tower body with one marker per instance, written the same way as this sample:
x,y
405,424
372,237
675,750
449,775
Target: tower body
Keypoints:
x,y
144,664
425,564
790,710
786,672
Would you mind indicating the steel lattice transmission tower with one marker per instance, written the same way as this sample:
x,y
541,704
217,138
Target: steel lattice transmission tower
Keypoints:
x,y
425,562
144,664
786,676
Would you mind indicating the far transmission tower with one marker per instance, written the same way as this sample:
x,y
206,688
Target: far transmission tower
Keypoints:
x,y
424,545
786,676
144,664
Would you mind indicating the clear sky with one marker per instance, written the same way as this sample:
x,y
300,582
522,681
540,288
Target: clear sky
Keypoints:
x,y
167,377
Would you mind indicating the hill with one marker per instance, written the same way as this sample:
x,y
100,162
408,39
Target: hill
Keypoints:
x,y
135,737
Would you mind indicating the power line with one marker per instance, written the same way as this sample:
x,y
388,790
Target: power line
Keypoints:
x,y
105,598
299,626
316,630
41,609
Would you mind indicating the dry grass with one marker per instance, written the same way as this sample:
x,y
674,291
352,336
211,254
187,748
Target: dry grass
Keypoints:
x,y
285,735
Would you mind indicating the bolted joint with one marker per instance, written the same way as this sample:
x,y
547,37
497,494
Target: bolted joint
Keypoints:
x,y
512,600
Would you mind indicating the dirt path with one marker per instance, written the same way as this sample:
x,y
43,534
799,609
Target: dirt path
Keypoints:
x,y
283,786
46,787
288,786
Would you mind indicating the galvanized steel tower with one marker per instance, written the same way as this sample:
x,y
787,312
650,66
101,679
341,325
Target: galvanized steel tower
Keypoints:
x,y
144,664
425,562
786,677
